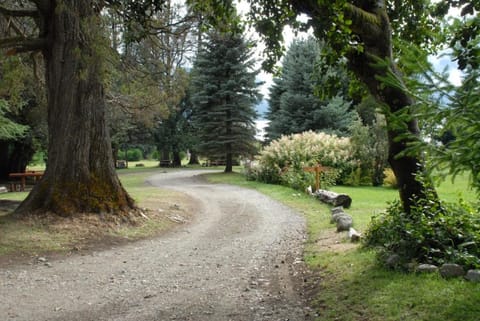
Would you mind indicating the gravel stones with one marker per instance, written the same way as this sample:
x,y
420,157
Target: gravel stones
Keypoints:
x,y
198,271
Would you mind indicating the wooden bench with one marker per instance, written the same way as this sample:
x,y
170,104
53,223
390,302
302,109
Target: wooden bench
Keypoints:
x,y
217,163
36,175
165,163
121,164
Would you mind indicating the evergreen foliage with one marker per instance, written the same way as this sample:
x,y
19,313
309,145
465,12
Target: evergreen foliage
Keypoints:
x,y
309,94
223,95
9,129
22,114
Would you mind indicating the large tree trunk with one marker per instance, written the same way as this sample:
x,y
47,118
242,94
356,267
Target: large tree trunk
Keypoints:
x,y
228,145
164,154
80,176
177,160
378,45
229,162
193,158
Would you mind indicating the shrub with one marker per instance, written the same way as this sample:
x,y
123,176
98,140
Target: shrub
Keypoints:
x,y
38,158
370,149
155,155
432,233
284,159
389,178
133,155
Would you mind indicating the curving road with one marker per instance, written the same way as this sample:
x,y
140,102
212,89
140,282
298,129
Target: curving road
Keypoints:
x,y
239,260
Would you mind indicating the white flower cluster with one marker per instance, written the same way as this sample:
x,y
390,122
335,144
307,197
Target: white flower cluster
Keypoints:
x,y
307,149
285,159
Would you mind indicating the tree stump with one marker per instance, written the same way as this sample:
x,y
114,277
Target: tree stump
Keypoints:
x,y
333,198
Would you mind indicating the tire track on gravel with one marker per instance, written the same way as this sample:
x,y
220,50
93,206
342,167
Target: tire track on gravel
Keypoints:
x,y
239,260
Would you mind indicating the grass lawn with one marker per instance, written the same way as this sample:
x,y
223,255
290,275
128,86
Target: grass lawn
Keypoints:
x,y
350,286
55,235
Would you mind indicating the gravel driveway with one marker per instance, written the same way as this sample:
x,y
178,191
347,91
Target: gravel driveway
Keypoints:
x,y
240,259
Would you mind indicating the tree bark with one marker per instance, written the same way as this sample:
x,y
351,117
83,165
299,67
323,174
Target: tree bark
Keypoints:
x,y
229,162
228,145
193,158
80,175
177,160
407,167
164,157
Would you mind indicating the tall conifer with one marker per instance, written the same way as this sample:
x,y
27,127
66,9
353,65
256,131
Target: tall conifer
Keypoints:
x,y
224,93
309,94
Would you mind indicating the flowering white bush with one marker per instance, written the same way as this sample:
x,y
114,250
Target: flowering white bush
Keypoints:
x,y
283,161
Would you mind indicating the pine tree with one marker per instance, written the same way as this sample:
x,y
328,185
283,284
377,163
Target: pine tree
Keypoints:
x,y
224,94
302,98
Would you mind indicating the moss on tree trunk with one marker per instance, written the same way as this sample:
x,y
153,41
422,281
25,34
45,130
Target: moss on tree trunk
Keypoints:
x,y
80,174
378,45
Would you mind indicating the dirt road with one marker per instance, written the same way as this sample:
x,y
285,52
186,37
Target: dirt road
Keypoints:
x,y
239,260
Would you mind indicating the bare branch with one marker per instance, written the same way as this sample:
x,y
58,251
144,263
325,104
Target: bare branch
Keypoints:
x,y
21,44
42,5
37,68
18,13
12,24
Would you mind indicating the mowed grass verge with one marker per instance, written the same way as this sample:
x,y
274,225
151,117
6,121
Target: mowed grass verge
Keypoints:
x,y
348,284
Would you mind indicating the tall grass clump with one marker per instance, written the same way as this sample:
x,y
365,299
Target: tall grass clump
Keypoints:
x,y
283,160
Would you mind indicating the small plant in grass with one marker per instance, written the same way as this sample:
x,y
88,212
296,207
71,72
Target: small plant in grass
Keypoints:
x,y
433,233
284,160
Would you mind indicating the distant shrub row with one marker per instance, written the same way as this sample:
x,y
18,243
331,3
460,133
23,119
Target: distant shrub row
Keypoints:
x,y
133,155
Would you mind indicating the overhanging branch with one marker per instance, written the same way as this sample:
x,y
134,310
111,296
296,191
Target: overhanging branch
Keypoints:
x,y
20,44
18,13
365,24
42,5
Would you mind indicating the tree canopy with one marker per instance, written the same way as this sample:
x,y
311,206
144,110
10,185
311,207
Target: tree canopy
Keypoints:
x,y
8,128
80,176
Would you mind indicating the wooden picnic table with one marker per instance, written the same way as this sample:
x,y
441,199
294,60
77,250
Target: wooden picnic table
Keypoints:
x,y
23,178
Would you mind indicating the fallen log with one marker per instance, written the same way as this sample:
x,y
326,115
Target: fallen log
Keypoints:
x,y
335,210
333,198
